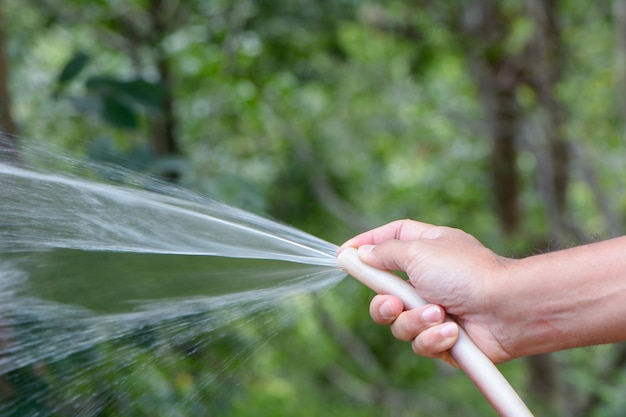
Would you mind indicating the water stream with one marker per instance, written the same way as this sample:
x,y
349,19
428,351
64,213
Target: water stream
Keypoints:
x,y
92,272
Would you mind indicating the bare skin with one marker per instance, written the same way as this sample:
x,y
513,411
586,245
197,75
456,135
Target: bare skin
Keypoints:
x,y
509,307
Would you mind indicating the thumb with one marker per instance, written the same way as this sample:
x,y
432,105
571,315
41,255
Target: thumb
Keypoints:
x,y
389,255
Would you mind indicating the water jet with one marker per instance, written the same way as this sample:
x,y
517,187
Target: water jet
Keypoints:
x,y
187,256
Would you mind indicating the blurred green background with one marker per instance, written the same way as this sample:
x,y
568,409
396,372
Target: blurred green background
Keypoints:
x,y
504,118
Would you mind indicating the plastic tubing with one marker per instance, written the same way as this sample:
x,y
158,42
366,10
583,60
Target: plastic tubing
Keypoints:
x,y
483,373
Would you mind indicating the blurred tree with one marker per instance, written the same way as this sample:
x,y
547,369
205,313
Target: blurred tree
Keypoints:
x,y
619,12
500,72
138,31
8,128
336,116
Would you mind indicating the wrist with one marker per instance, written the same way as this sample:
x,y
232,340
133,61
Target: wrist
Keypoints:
x,y
539,309
564,299
509,307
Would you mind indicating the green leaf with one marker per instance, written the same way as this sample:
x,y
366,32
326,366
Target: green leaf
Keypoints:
x,y
147,94
119,113
102,85
134,92
73,67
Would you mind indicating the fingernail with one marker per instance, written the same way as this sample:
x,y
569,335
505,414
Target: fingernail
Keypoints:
x,y
365,249
432,315
386,310
448,330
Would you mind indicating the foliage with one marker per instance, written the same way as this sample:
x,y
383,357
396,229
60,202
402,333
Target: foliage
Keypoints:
x,y
333,116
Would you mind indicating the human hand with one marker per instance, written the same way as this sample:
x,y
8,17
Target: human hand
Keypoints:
x,y
452,271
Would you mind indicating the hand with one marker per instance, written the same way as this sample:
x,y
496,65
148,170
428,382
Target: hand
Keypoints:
x,y
449,269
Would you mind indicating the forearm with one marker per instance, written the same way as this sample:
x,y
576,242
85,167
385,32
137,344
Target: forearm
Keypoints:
x,y
565,299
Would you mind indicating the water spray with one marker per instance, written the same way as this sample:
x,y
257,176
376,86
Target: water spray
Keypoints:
x,y
470,359
93,232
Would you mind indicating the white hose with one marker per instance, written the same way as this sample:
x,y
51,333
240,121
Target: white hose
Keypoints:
x,y
470,359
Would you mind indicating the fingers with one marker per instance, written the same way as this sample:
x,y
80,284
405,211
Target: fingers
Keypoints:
x,y
436,341
405,230
395,244
431,336
391,255
405,325
385,309
412,323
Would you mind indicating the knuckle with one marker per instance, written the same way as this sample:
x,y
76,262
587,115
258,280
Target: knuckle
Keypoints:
x,y
422,348
408,325
431,344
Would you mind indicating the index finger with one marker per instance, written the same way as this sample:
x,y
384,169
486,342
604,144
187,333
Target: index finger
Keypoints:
x,y
397,230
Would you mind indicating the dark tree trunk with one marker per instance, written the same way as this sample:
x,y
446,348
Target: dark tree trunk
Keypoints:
x,y
619,17
163,129
546,55
6,120
498,74
8,128
497,78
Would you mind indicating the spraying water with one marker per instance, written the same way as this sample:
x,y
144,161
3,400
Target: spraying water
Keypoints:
x,y
87,267
85,263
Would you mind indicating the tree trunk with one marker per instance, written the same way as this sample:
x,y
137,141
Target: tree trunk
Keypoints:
x,y
502,118
546,55
163,128
498,73
497,78
619,17
8,129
